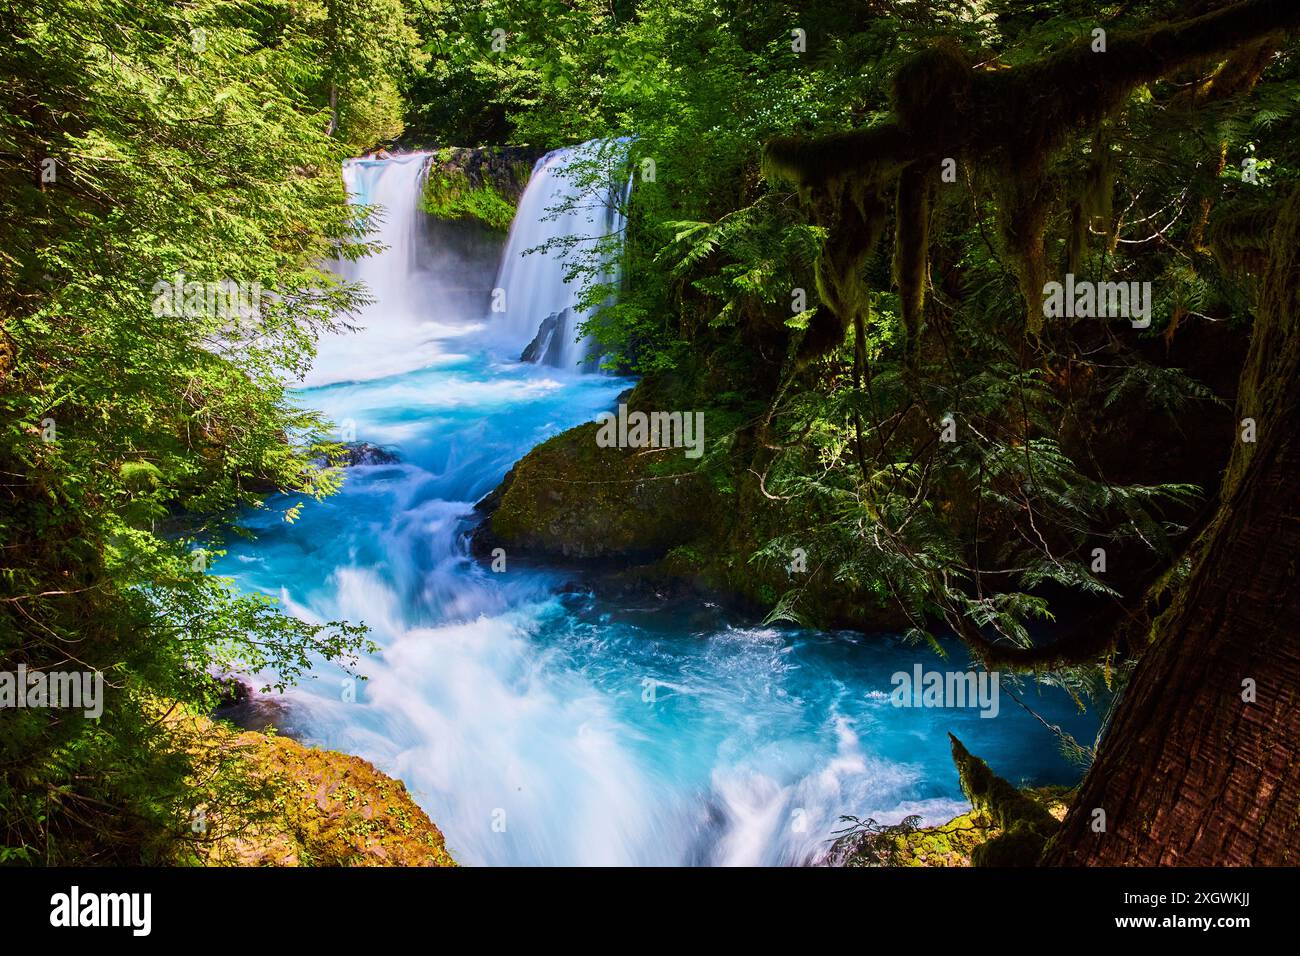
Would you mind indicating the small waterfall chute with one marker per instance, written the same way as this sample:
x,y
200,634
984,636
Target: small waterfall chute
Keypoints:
x,y
566,238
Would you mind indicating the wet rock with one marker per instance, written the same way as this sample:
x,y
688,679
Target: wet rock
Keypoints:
x,y
504,168
650,524
546,346
481,184
364,453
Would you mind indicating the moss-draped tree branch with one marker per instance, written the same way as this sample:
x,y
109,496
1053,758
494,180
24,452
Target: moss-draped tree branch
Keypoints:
x,y
1010,121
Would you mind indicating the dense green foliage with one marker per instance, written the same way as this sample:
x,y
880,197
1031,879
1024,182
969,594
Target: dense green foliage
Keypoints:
x,y
140,141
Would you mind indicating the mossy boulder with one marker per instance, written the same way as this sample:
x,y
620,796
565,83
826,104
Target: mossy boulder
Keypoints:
x,y
338,810
668,523
293,805
480,183
571,498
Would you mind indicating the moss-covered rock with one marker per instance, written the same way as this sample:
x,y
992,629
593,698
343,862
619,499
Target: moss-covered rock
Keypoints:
x,y
971,839
668,522
908,845
301,806
482,183
571,498
993,795
1025,825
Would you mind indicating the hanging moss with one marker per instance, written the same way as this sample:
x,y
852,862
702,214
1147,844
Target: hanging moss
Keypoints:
x,y
1014,120
1023,205
1099,183
855,225
826,163
1078,240
1240,236
1237,74
912,247
931,91
1093,201
1026,825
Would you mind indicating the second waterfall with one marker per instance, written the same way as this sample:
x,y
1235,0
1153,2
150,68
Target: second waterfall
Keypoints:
x,y
565,239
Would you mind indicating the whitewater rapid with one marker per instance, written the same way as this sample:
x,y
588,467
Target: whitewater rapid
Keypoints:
x,y
535,722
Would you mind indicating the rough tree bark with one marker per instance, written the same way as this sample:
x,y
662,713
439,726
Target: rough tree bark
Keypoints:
x,y
1189,772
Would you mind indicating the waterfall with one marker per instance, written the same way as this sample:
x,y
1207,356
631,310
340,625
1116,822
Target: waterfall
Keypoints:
x,y
395,277
574,223
430,283
537,721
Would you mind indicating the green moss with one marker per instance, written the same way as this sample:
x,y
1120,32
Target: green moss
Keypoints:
x,y
1240,235
697,523
1025,823
990,793
1022,845
971,839
309,807
905,844
912,247
571,497
994,119
451,195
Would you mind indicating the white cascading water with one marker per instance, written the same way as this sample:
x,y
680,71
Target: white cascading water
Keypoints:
x,y
536,722
563,220
421,298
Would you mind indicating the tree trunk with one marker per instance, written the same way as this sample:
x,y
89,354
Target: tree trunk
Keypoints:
x,y
1189,772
